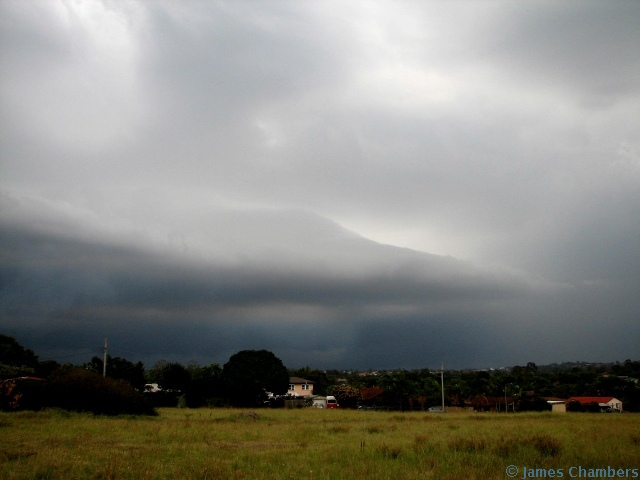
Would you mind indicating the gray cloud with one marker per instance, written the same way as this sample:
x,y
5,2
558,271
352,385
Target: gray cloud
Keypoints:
x,y
370,184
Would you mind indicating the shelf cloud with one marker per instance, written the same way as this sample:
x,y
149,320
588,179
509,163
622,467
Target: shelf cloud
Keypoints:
x,y
359,185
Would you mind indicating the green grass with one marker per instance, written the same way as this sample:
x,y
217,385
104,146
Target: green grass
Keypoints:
x,y
309,444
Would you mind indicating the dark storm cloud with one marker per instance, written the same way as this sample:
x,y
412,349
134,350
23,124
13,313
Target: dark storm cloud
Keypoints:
x,y
195,178
280,297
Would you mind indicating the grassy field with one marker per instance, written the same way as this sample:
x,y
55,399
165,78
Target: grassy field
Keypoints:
x,y
311,444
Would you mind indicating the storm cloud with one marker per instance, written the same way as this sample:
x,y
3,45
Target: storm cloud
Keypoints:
x,y
349,185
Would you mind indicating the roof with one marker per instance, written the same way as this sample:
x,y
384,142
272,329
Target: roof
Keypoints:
x,y
299,380
554,399
370,392
590,399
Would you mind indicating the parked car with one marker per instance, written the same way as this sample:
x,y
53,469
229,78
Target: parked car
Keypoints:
x,y
332,402
436,410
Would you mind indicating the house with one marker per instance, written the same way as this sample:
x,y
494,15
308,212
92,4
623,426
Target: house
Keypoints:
x,y
300,387
606,404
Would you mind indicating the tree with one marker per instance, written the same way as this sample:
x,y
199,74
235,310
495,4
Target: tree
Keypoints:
x,y
120,369
170,376
15,360
205,384
347,396
250,373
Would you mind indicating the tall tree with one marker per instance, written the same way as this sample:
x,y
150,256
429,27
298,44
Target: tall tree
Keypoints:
x,y
250,373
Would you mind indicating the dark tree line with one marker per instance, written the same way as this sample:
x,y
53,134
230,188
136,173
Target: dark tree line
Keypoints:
x,y
243,381
525,385
249,375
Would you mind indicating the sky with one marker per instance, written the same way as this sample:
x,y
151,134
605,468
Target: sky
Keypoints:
x,y
351,185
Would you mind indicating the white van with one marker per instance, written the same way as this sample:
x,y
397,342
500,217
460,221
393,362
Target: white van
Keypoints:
x,y
332,402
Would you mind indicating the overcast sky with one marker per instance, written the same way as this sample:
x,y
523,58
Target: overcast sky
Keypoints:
x,y
347,184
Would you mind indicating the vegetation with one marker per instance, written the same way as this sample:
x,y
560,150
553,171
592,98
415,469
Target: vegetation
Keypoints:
x,y
86,426
524,385
308,443
120,369
82,390
15,360
247,375
346,395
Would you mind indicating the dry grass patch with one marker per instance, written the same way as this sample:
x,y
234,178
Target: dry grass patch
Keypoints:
x,y
545,444
468,444
389,451
273,444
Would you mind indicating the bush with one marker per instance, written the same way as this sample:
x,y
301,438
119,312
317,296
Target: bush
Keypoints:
x,y
21,394
575,406
81,390
347,396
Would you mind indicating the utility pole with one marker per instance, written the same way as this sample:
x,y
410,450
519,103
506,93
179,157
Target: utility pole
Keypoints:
x,y
104,360
442,382
506,409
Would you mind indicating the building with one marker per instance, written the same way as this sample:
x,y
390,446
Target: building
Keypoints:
x,y
606,404
300,387
558,405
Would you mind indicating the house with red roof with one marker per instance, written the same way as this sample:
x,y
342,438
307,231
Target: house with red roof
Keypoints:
x,y
606,404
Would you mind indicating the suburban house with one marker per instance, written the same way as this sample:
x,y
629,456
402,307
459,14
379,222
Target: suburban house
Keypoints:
x,y
300,387
606,404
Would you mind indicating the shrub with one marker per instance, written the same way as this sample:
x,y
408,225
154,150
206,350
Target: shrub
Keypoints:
x,y
575,406
81,390
347,396
21,394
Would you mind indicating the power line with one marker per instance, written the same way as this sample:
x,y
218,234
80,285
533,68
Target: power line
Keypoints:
x,y
75,354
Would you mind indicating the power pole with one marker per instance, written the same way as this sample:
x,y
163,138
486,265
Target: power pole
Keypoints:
x,y
442,382
104,360
506,409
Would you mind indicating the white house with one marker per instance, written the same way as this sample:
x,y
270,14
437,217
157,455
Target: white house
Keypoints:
x,y
605,403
